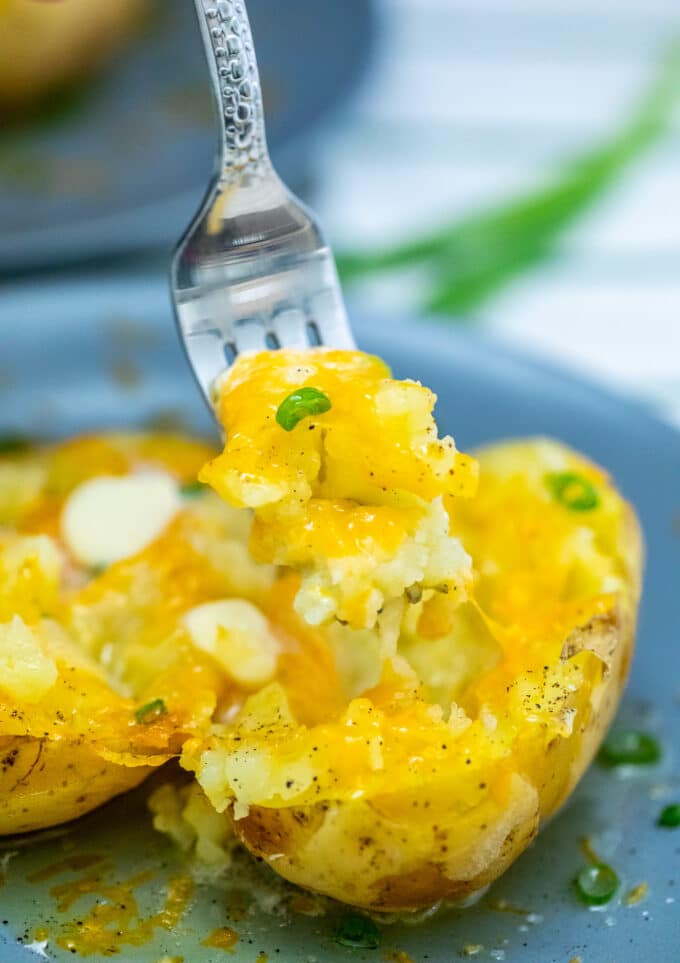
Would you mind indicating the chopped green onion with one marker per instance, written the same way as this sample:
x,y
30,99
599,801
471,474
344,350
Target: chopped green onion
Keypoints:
x,y
358,932
573,491
192,489
629,747
13,444
303,403
669,817
597,884
151,712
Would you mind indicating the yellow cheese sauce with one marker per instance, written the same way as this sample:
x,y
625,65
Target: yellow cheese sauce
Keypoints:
x,y
352,497
223,938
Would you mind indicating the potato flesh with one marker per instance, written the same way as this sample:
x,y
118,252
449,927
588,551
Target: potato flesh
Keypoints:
x,y
352,499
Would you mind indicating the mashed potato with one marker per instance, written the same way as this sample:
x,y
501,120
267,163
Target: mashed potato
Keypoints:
x,y
356,498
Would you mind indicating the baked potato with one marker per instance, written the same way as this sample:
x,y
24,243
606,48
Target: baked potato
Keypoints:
x,y
101,558
441,745
47,44
66,740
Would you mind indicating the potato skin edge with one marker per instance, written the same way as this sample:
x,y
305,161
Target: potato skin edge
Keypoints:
x,y
44,783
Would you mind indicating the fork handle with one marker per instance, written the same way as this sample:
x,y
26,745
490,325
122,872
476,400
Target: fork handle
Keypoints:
x,y
231,57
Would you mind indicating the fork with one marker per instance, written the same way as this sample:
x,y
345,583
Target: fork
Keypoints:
x,y
253,271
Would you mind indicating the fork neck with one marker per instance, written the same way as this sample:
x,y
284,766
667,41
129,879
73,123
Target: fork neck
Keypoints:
x,y
238,94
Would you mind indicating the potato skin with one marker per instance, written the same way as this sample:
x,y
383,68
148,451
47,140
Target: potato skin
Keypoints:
x,y
359,853
354,853
44,783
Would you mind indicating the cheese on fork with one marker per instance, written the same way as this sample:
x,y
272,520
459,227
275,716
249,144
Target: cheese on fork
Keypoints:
x,y
349,481
109,517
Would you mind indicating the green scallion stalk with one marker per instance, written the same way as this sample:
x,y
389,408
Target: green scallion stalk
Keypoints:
x,y
467,262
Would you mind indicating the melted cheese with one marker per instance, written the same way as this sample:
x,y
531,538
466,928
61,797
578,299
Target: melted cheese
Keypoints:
x,y
352,498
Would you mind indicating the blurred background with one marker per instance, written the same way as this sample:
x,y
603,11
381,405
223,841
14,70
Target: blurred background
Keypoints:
x,y
508,165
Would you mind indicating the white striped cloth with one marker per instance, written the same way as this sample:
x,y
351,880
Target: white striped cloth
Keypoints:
x,y
472,101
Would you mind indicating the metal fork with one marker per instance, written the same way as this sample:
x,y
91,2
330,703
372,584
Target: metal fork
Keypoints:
x,y
253,271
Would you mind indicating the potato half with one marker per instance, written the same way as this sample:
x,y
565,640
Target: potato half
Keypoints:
x,y
429,783
85,648
67,742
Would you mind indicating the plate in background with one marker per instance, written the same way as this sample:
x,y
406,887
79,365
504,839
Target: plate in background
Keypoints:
x,y
108,356
128,167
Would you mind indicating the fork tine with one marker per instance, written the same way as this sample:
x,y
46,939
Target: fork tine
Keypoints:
x,y
250,334
327,312
208,354
290,327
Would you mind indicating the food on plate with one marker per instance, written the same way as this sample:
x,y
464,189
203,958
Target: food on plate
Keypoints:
x,y
47,45
385,663
348,484
64,747
99,679
469,716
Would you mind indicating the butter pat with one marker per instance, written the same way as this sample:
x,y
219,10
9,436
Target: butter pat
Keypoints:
x,y
26,673
109,518
238,636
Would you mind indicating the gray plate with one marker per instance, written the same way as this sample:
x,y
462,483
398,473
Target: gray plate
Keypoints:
x,y
102,352
128,167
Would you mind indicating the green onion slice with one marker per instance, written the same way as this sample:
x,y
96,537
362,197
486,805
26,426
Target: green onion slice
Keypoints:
x,y
192,489
358,932
13,444
669,817
629,747
596,885
573,491
151,712
303,403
